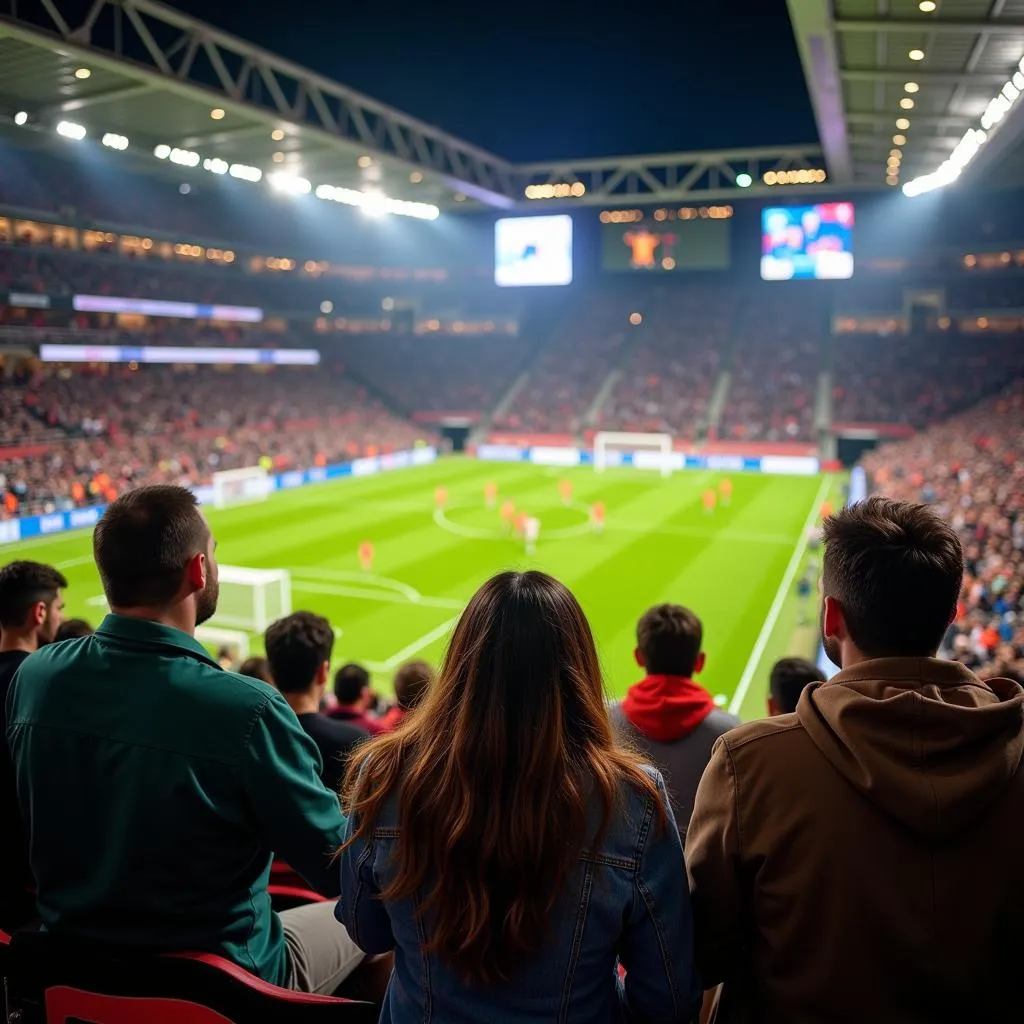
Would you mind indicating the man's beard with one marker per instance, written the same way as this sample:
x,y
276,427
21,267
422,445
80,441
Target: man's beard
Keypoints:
x,y
206,605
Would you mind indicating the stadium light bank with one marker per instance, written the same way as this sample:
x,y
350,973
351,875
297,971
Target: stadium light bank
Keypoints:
x,y
974,138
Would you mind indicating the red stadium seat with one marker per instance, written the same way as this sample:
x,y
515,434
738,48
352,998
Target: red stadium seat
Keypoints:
x,y
284,897
283,874
51,979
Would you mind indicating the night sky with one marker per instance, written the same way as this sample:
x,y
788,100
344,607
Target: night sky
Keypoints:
x,y
544,81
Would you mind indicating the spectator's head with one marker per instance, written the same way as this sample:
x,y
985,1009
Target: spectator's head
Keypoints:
x,y
411,683
154,552
668,640
499,775
73,629
299,652
30,604
256,668
787,681
890,581
352,686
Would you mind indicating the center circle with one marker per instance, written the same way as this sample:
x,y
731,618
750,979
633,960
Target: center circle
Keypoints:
x,y
479,531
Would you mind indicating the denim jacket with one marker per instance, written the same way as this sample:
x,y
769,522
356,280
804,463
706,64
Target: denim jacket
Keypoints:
x,y
627,902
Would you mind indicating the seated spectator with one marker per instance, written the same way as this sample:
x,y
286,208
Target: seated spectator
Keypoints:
x,y
412,681
841,858
353,698
30,615
155,785
542,851
73,629
669,717
299,654
788,678
256,668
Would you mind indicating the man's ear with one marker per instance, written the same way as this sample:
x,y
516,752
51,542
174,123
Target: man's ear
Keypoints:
x,y
833,620
698,665
639,657
37,614
773,709
322,674
195,572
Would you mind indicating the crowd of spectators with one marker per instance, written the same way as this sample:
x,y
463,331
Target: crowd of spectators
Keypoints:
x,y
918,379
776,361
75,437
438,373
669,373
971,469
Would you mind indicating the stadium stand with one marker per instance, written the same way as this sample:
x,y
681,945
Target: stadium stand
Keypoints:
x,y
969,467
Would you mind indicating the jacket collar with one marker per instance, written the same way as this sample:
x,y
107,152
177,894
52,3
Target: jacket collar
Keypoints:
x,y
910,672
133,632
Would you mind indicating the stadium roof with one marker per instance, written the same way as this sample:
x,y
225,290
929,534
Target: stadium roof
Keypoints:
x,y
157,77
937,64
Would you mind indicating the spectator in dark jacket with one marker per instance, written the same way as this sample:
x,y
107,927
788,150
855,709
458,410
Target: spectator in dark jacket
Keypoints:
x,y
299,653
353,696
668,716
788,678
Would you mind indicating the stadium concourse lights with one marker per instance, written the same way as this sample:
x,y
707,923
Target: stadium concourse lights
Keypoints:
x,y
114,141
71,130
374,204
181,157
973,139
744,180
21,118
292,184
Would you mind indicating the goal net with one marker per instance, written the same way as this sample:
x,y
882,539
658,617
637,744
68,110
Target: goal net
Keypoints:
x,y
240,486
649,451
252,598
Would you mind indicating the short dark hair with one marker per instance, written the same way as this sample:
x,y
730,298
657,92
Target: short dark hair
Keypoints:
x,y
349,682
143,542
72,629
897,570
669,637
256,668
24,584
296,647
787,681
411,683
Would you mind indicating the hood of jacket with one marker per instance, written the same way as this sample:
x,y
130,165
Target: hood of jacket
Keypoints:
x,y
926,741
667,708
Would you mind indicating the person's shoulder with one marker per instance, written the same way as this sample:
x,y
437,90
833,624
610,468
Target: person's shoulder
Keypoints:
x,y
720,722
763,733
342,733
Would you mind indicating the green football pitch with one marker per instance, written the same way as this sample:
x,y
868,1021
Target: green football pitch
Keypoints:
x,y
737,568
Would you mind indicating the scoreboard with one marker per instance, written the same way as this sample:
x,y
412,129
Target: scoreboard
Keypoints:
x,y
667,240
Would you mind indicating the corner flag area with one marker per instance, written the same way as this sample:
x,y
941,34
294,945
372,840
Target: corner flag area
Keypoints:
x,y
738,567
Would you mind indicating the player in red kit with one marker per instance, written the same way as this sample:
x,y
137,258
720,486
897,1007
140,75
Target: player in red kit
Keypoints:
x,y
441,497
519,524
709,500
490,494
366,554
565,491
725,490
597,516
826,510
508,513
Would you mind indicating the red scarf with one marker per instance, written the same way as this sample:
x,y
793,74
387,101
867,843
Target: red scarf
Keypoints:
x,y
666,708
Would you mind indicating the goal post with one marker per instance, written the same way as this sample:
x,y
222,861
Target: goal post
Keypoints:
x,y
654,450
251,599
240,486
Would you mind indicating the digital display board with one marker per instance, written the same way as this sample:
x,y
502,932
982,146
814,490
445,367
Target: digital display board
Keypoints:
x,y
161,307
657,247
807,242
533,251
177,354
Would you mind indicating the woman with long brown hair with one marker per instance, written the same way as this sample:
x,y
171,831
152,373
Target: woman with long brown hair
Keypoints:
x,y
502,844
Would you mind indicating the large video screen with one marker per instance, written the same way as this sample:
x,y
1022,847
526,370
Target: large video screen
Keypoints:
x,y
533,251
807,242
655,247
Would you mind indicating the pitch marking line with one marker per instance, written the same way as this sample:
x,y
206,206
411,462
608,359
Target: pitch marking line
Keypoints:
x,y
497,533
413,648
780,599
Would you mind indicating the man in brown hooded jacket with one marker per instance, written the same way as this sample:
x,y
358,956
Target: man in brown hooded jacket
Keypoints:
x,y
857,861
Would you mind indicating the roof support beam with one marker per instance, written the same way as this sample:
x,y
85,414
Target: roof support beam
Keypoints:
x,y
936,26
913,74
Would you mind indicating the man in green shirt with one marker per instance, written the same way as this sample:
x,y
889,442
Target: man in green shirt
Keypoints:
x,y
155,785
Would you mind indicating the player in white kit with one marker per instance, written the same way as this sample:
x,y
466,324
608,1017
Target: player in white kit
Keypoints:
x,y
531,532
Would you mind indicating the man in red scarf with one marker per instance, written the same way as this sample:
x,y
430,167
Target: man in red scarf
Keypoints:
x,y
667,716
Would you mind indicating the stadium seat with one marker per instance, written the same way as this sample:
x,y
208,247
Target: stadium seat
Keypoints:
x,y
284,897
51,979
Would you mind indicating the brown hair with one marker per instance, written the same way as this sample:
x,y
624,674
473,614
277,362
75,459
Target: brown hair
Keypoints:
x,y
497,775
143,542
296,647
411,683
669,638
896,569
24,584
